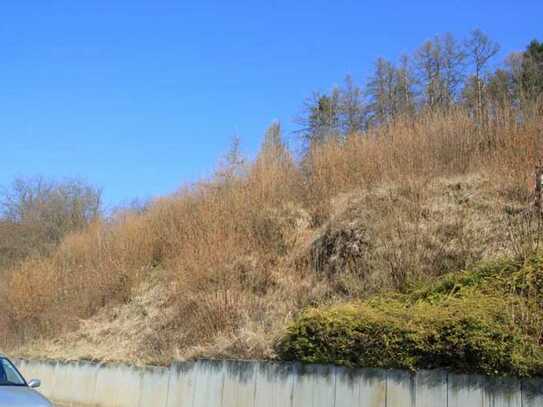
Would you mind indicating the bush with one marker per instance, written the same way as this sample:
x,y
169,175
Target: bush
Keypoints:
x,y
452,325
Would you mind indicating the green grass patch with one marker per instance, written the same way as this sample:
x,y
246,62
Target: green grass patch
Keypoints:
x,y
485,320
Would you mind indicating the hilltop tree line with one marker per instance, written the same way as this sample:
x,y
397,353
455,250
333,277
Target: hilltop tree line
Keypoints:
x,y
441,74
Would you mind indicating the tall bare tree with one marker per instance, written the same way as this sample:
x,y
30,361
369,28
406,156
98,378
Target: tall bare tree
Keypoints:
x,y
440,65
381,90
404,92
479,50
454,63
428,63
351,108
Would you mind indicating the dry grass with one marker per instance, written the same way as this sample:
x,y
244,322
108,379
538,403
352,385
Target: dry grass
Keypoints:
x,y
220,268
400,234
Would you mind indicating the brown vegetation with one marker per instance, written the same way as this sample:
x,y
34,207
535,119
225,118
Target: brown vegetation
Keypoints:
x,y
229,261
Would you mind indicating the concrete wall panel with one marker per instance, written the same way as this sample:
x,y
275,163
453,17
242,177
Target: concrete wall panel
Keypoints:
x,y
502,392
314,386
239,384
208,383
400,389
75,382
181,385
431,388
465,391
154,387
360,388
275,384
118,386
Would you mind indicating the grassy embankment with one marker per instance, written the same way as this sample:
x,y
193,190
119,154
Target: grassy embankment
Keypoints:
x,y
222,268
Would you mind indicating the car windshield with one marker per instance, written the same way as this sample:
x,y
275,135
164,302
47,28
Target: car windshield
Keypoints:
x,y
9,375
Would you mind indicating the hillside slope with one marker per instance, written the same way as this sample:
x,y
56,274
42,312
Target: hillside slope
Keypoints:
x,y
221,269
385,239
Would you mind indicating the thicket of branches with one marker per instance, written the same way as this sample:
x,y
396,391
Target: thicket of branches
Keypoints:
x,y
36,213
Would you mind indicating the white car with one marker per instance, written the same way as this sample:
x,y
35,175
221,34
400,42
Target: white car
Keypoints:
x,y
15,391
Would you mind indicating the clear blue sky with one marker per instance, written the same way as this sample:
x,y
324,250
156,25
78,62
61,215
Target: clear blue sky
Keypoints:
x,y
141,97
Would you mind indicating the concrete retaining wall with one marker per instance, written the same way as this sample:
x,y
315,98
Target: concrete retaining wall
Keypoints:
x,y
265,384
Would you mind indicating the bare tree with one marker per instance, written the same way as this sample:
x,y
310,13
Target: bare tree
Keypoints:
x,y
320,117
479,49
428,63
404,94
274,149
390,90
440,64
233,163
351,108
71,204
454,62
36,213
381,91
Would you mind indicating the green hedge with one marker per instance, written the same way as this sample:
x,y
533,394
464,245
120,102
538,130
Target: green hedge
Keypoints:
x,y
486,320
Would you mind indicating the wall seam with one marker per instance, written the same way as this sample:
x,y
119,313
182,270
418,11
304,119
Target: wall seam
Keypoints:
x,y
168,386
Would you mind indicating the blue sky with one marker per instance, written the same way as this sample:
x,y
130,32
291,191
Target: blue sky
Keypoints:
x,y
141,97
